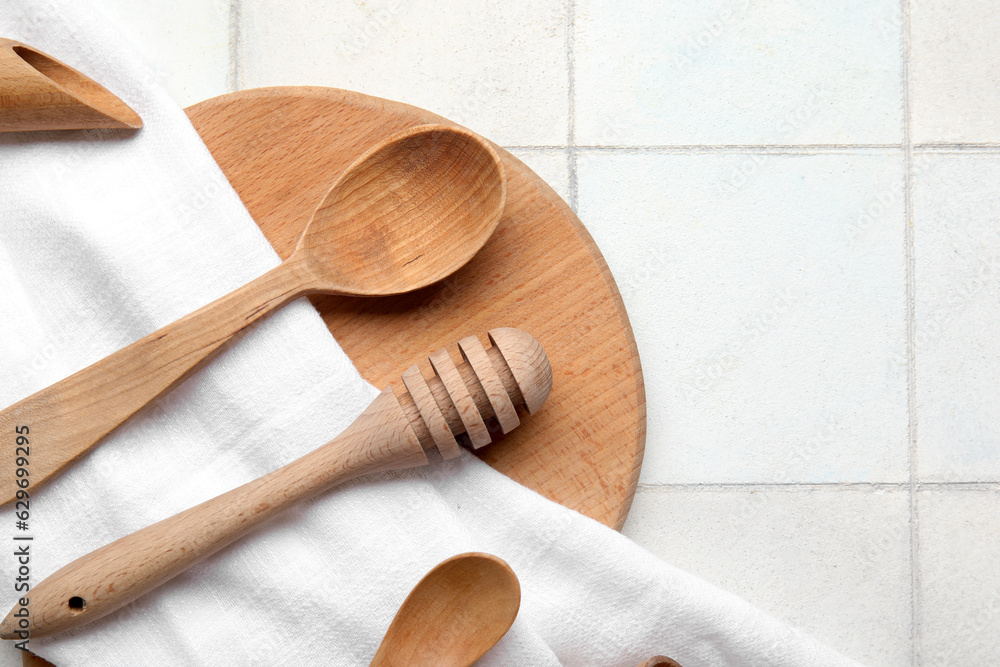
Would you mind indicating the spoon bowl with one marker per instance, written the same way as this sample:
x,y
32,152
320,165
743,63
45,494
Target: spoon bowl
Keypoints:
x,y
408,213
454,615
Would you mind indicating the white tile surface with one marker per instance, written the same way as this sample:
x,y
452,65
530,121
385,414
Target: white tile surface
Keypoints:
x,y
185,43
831,561
955,71
767,291
769,310
498,67
960,580
551,165
957,250
734,72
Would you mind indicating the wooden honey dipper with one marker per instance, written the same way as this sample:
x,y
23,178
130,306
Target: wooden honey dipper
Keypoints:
x,y
393,432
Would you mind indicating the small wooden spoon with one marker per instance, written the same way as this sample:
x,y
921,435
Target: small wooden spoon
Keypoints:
x,y
410,211
457,612
660,661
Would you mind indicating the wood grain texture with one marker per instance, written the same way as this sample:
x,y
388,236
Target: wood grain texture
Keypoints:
x,y
473,352
541,272
437,427
384,437
71,416
29,659
37,92
461,398
408,212
454,615
110,577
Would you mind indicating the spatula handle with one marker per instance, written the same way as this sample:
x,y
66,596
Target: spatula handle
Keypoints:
x,y
104,580
69,417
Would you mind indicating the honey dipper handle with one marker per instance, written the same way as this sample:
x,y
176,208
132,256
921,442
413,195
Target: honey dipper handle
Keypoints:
x,y
69,417
114,575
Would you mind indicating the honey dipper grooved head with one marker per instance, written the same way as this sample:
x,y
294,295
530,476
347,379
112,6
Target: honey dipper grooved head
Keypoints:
x,y
457,404
528,364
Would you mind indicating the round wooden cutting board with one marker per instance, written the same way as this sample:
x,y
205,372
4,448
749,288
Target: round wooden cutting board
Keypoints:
x,y
282,149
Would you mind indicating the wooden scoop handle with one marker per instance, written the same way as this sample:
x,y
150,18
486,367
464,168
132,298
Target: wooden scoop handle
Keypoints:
x,y
69,417
391,433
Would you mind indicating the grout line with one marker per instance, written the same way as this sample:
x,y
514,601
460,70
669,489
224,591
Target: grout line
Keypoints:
x,y
571,152
959,486
959,147
536,148
746,148
810,486
803,486
911,353
234,81
790,149
932,145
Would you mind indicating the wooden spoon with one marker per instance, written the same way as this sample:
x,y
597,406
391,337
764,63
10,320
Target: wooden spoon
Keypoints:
x,y
393,432
660,661
454,615
407,213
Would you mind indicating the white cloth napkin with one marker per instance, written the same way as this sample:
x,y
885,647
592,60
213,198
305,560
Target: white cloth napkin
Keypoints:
x,y
107,236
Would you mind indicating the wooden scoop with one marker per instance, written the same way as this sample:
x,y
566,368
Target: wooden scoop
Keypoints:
x,y
410,211
393,432
454,615
38,92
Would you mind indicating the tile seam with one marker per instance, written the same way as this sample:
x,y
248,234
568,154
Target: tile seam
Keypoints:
x,y
235,29
737,147
770,148
910,271
737,486
571,103
957,149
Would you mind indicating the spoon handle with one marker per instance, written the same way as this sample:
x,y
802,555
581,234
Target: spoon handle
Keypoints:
x,y
100,582
64,420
